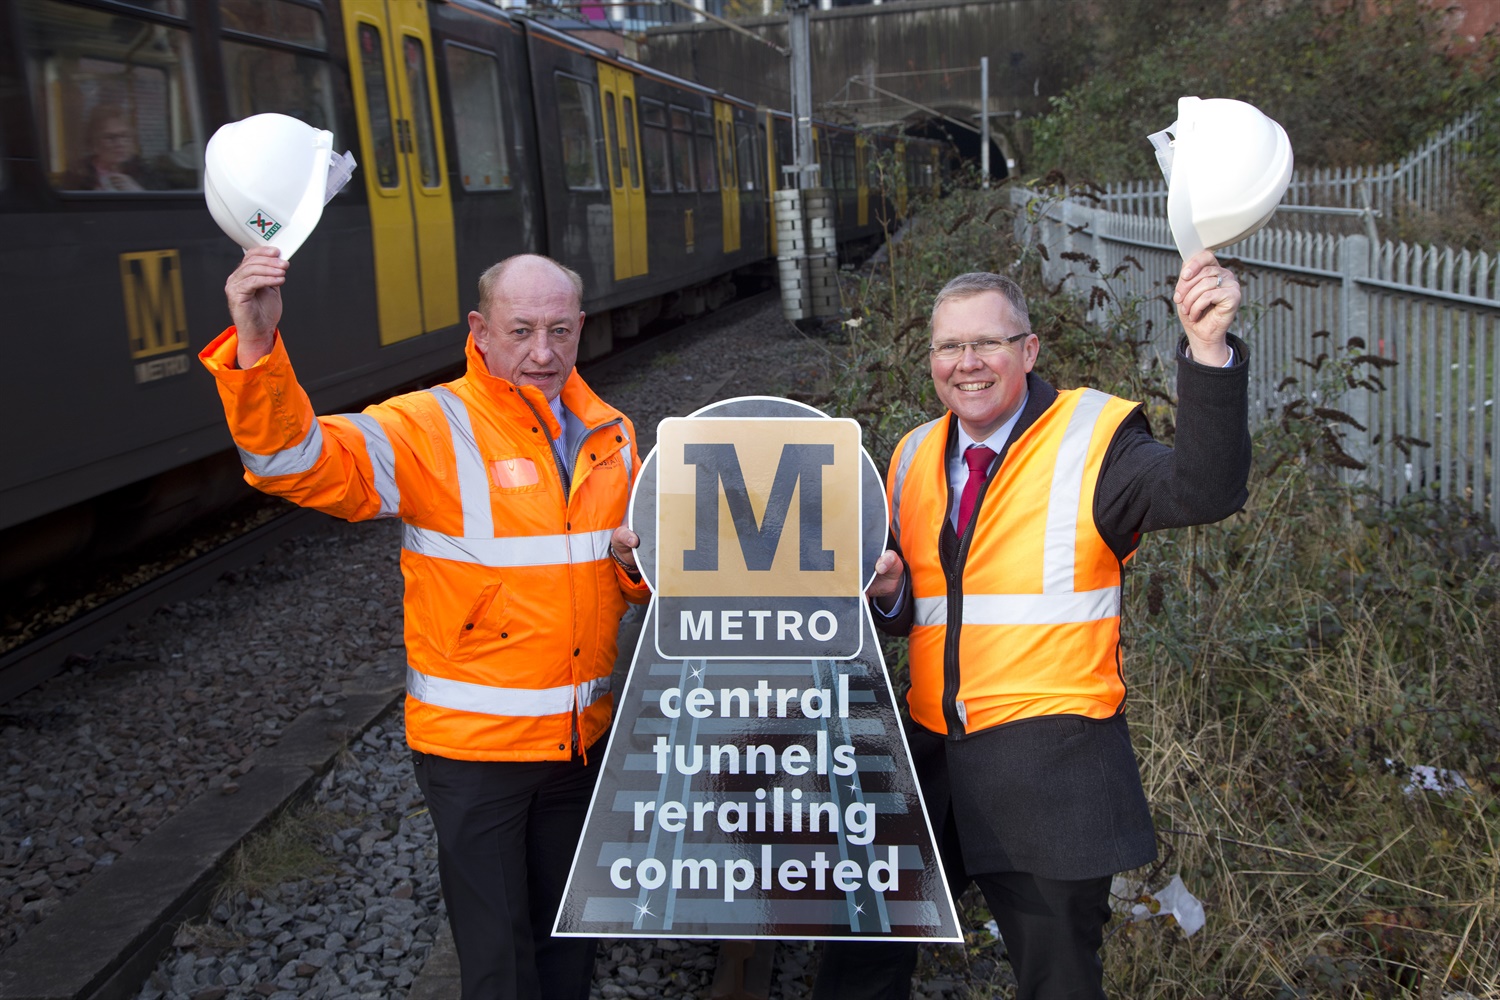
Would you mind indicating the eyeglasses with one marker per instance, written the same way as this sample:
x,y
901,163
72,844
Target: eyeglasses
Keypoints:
x,y
954,351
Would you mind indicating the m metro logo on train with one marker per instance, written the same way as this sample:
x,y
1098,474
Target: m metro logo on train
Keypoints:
x,y
758,527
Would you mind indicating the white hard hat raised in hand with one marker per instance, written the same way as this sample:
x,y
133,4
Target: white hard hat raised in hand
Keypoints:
x,y
266,179
1227,166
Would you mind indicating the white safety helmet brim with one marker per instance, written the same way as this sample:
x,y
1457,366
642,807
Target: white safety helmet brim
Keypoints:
x,y
265,180
1227,168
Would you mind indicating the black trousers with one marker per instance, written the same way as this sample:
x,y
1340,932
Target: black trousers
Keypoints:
x,y
506,834
1053,928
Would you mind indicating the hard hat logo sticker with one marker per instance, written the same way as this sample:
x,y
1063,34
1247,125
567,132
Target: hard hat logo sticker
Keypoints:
x,y
263,224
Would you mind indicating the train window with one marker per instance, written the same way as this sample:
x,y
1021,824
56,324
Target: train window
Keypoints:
x,y
745,150
377,97
762,156
632,156
260,79
117,99
414,55
783,150
682,149
281,20
654,139
708,173
612,127
474,79
578,116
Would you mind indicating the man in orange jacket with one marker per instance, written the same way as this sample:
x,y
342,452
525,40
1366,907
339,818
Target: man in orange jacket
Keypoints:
x,y
1012,516
512,483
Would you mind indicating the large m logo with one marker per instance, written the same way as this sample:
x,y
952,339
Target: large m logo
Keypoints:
x,y
155,316
719,463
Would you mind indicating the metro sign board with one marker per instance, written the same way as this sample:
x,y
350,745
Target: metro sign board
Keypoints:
x,y
757,782
758,526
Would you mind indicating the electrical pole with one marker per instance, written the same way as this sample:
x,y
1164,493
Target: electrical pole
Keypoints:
x,y
984,121
802,142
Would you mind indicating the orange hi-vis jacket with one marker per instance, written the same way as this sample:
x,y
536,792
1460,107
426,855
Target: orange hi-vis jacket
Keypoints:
x,y
1030,624
513,601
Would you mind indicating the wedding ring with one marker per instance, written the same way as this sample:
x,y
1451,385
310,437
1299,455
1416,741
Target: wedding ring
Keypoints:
x,y
1219,281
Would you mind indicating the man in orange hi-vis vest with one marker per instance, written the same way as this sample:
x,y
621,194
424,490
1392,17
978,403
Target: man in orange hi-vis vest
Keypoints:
x,y
1012,515
512,483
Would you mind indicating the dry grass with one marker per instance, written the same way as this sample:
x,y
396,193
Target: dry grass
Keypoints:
x,y
1269,691
292,848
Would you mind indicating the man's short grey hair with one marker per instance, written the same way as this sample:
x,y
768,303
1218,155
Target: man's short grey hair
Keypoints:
x,y
978,282
495,272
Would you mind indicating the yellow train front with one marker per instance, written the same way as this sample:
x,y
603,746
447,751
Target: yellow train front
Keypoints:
x,y
478,135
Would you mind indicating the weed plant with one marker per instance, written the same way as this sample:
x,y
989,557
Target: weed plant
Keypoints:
x,y
1287,667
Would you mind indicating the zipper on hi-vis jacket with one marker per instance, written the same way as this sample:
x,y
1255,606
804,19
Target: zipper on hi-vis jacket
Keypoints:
x,y
562,472
567,484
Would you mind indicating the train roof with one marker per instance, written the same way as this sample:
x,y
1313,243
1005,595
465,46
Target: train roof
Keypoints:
x,y
545,27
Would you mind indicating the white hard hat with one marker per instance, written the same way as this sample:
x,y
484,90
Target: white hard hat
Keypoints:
x,y
266,180
1227,166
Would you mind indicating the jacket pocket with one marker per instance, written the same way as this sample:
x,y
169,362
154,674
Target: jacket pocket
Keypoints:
x,y
483,624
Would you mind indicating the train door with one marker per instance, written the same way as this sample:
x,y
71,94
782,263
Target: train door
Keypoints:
x,y
768,141
901,185
406,176
622,148
862,180
729,182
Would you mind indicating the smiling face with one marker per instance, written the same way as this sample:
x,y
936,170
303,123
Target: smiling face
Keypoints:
x,y
982,391
529,333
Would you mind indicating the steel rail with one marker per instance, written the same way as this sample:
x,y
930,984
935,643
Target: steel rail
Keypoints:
x,y
34,662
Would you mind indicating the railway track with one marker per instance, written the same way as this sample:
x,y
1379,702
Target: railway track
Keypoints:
x,y
28,665
224,694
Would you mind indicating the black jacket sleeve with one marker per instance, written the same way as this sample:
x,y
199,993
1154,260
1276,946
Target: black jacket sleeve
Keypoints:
x,y
1145,485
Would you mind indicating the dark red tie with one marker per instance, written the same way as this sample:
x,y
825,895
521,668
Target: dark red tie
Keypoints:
x,y
978,459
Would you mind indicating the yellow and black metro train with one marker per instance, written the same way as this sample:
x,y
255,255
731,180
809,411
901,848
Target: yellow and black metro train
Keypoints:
x,y
478,135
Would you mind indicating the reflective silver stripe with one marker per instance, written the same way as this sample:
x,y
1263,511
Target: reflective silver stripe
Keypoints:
x,y
287,461
1059,548
591,691
1024,609
625,454
473,481
515,550
903,465
382,462
465,696
930,611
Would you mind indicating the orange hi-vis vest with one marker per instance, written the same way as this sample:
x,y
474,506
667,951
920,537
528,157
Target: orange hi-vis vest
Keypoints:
x,y
1031,623
512,599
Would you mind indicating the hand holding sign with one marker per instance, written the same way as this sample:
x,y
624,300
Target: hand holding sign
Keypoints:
x,y
888,572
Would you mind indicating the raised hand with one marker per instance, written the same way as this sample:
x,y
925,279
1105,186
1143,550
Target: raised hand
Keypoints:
x,y
254,294
1207,298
